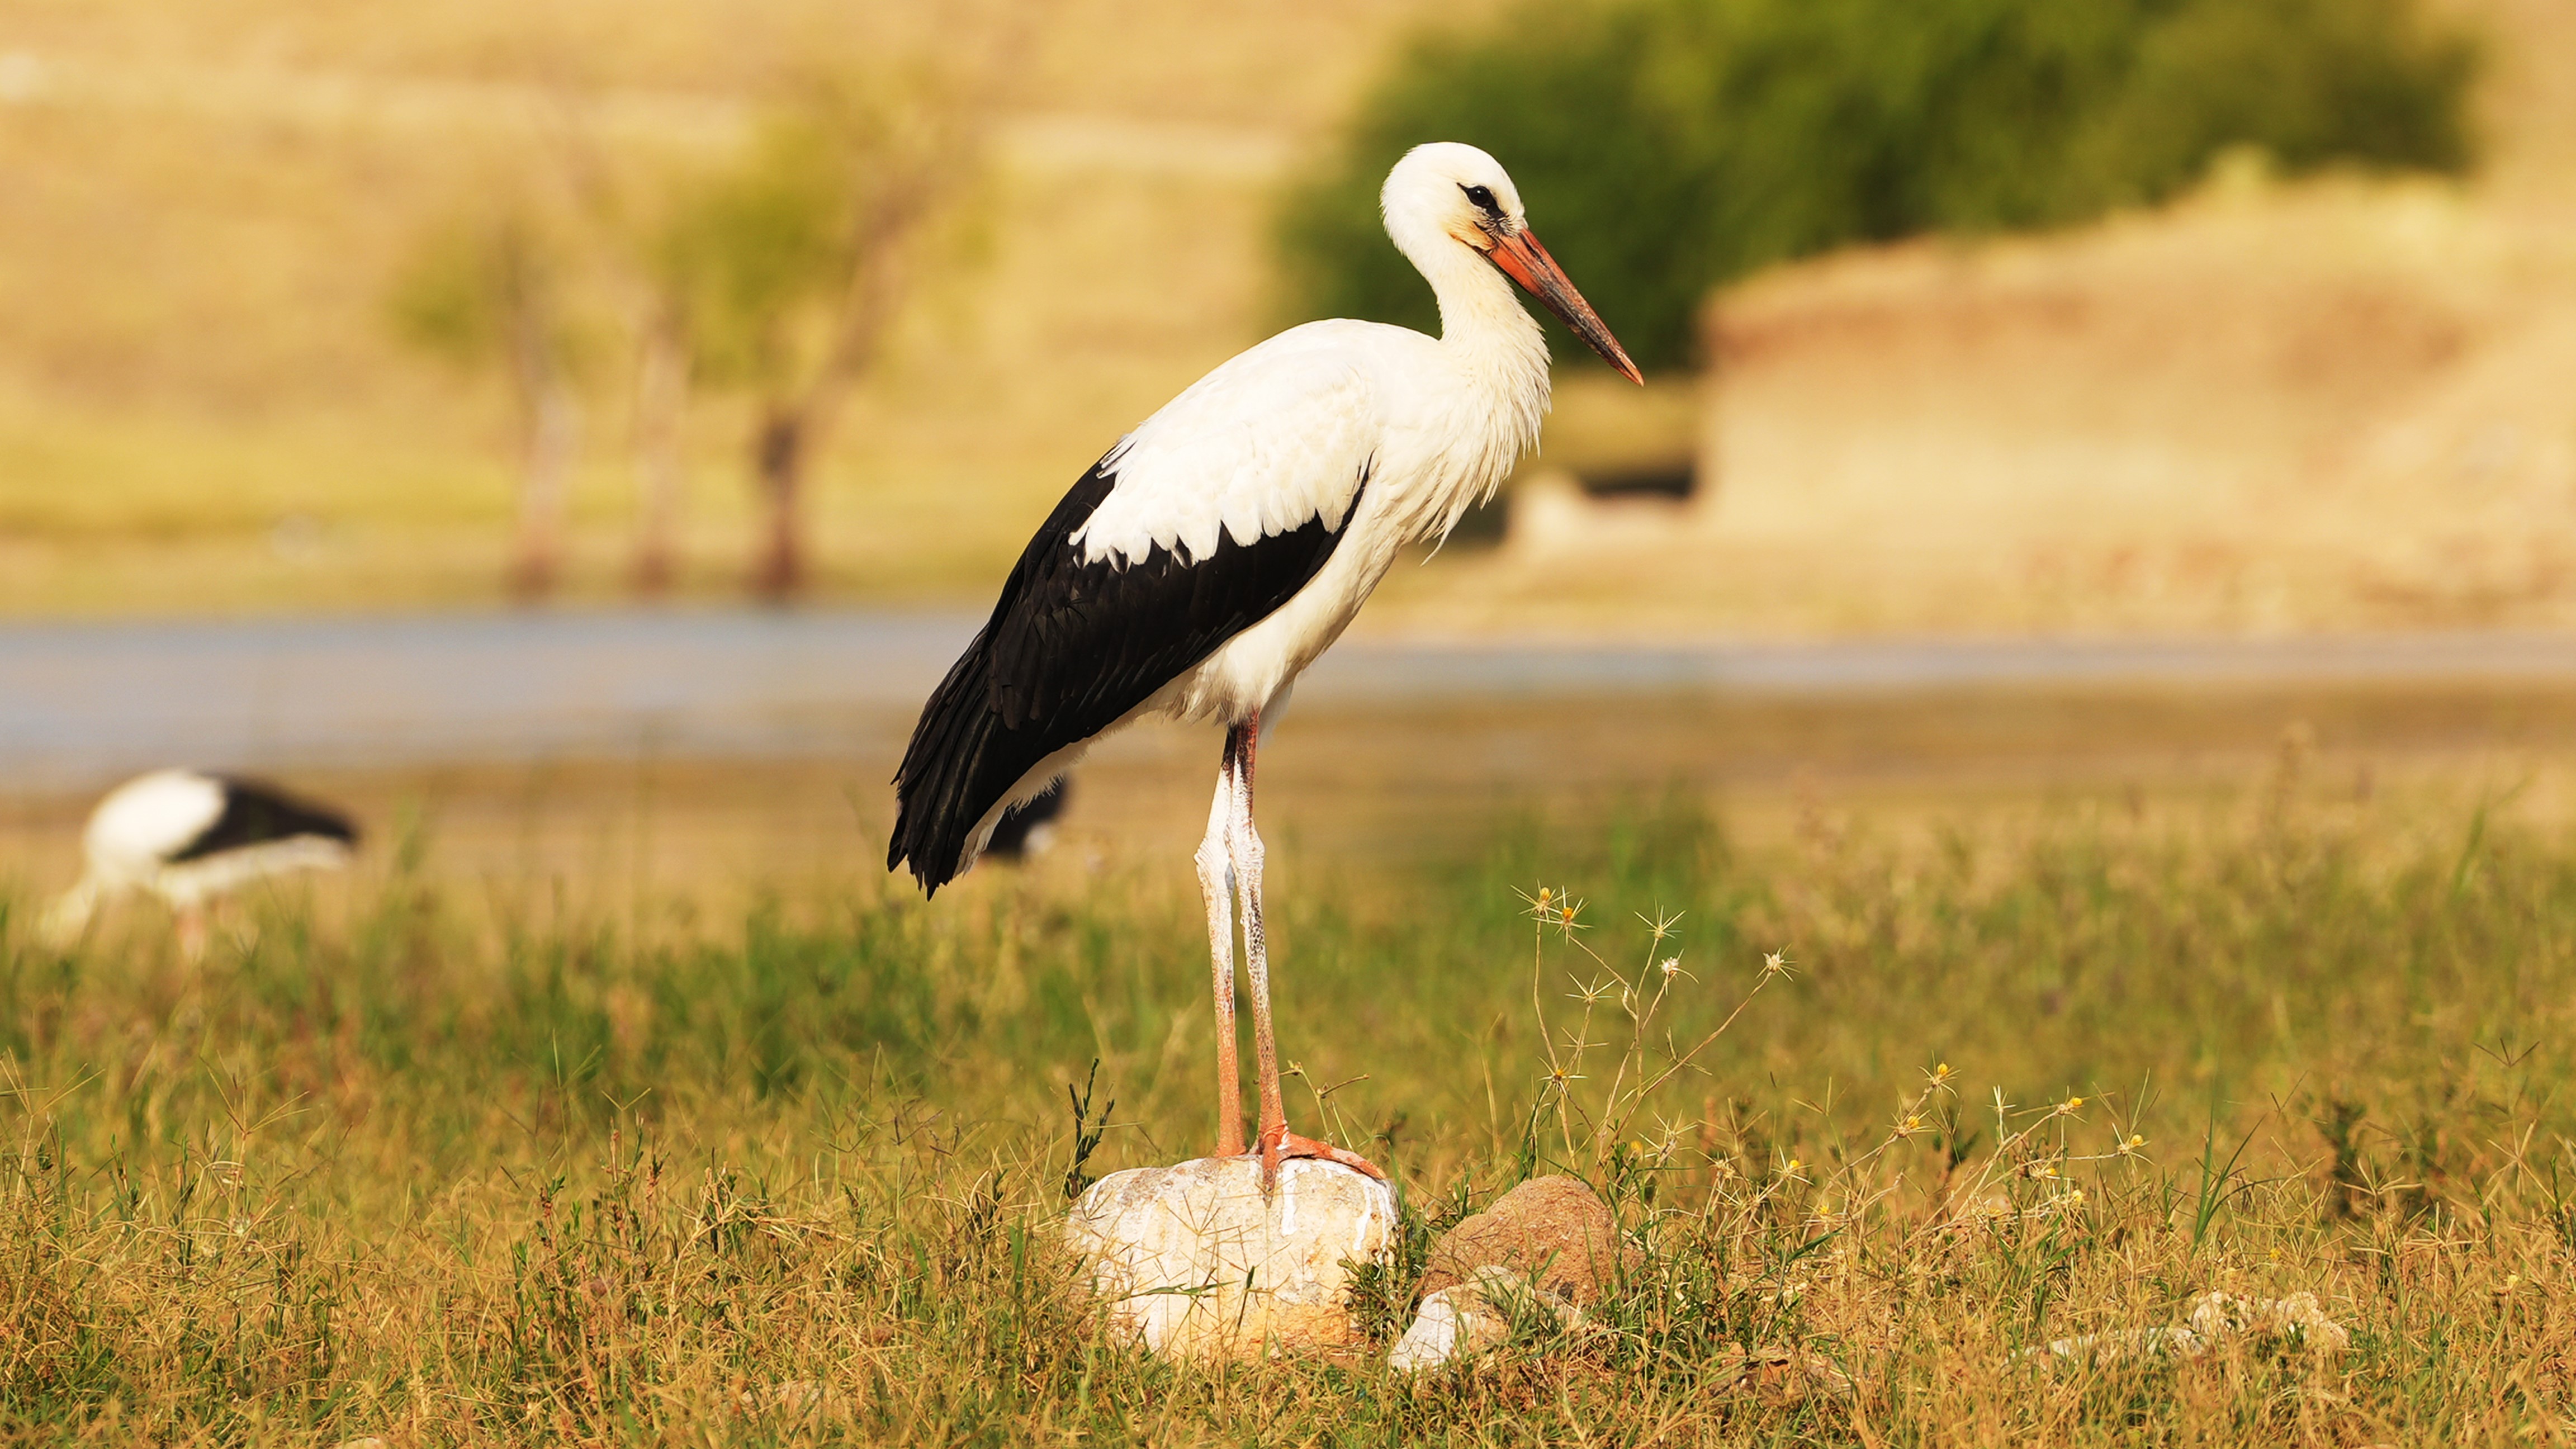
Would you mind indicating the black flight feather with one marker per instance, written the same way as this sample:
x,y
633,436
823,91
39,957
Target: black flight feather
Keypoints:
x,y
261,814
1071,647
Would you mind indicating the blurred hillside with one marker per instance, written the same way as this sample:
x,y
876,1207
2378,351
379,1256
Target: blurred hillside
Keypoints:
x,y
1671,146
2331,404
202,405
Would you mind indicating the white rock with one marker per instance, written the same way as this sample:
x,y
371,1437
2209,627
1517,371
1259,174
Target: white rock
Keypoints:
x,y
1453,1323
1197,1263
1467,1318
2214,1319
2299,1319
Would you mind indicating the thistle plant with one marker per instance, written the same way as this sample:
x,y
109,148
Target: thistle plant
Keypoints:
x,y
1596,1132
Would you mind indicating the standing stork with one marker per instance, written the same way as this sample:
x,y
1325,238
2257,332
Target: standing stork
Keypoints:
x,y
1215,551
189,838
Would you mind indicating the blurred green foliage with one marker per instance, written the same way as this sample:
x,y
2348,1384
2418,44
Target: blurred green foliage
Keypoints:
x,y
783,263
754,244
1664,146
486,289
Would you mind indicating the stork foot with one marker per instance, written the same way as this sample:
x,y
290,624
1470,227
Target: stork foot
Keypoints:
x,y
1279,1144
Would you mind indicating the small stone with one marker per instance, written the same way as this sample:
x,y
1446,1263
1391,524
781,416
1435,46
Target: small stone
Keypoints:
x,y
1552,1231
2213,1319
795,1399
2217,1317
1453,1323
1198,1264
1465,1319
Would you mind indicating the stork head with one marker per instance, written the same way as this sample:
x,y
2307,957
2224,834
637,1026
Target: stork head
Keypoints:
x,y
1445,193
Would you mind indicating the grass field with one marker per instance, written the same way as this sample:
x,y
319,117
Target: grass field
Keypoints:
x,y
451,1160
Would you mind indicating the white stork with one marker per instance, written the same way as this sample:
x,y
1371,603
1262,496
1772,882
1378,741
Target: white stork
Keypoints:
x,y
1215,551
189,838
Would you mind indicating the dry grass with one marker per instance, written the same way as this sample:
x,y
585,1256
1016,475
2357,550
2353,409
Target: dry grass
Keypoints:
x,y
463,1167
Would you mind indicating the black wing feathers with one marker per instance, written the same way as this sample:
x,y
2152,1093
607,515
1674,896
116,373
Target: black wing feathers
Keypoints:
x,y
258,814
1071,648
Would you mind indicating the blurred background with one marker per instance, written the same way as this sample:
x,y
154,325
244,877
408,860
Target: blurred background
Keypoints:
x,y
592,427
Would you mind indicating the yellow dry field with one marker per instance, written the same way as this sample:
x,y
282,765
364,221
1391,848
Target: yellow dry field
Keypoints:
x,y
2334,405
2344,403
203,405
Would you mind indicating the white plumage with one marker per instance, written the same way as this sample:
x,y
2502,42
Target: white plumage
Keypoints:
x,y
138,825
188,838
1283,434
1230,538
1276,436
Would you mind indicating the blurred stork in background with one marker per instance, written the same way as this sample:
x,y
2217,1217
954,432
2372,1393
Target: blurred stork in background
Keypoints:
x,y
189,839
1215,551
1027,830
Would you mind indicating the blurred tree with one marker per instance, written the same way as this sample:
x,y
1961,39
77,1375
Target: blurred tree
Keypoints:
x,y
784,272
1667,145
492,292
624,218
2364,82
662,380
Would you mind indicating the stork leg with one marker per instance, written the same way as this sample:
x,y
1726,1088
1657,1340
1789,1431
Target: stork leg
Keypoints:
x,y
192,933
1216,885
1276,1141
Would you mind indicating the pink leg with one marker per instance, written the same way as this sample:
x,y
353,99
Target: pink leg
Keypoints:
x,y
1216,884
1277,1142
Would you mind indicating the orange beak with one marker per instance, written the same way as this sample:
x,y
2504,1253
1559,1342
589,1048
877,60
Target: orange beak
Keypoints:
x,y
1526,262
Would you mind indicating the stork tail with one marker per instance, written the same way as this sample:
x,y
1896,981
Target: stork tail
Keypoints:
x,y
962,763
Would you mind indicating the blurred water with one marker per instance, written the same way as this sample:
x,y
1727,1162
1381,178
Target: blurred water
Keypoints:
x,y
82,703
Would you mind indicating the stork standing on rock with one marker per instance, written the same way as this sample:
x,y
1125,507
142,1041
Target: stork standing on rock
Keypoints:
x,y
189,838
1215,551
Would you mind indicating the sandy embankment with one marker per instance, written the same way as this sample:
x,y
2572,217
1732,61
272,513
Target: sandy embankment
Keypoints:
x,y
2344,404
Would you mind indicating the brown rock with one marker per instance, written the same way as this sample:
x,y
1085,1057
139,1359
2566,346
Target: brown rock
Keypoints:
x,y
1551,1230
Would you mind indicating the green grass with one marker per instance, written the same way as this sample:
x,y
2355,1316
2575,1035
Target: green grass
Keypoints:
x,y
457,1169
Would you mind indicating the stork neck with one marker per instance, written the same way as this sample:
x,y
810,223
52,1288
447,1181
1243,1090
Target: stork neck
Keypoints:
x,y
1481,321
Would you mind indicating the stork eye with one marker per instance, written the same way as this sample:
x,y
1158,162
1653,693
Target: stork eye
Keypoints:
x,y
1483,198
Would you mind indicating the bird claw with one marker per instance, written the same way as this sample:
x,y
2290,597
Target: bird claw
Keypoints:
x,y
1279,1144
